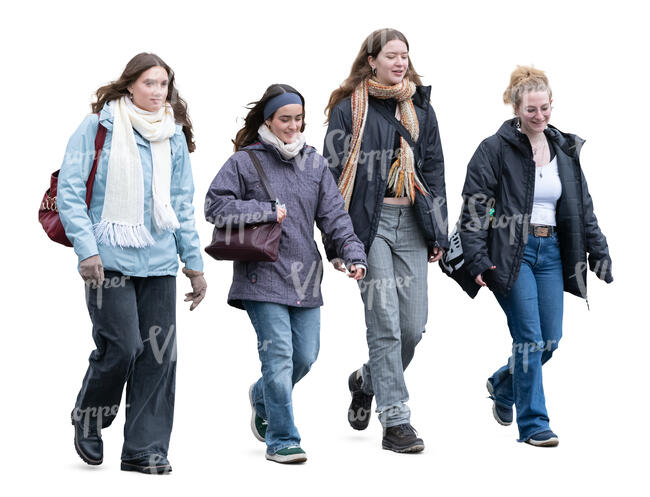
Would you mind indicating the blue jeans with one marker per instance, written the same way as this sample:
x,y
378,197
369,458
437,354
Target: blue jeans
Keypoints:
x,y
394,294
534,310
288,339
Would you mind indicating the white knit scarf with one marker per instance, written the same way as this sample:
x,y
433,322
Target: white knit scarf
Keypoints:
x,y
122,222
287,150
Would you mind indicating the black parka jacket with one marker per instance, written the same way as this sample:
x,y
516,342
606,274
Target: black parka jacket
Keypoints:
x,y
501,174
377,149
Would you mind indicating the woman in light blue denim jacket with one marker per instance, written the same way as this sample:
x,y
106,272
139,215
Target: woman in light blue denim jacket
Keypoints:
x,y
128,241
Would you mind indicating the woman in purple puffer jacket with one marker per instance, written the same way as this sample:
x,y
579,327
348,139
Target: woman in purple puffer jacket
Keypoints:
x,y
282,298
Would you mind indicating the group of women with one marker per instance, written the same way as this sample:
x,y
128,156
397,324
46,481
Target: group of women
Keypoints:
x,y
377,194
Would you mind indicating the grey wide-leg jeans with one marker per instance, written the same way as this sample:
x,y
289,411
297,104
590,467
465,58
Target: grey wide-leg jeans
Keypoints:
x,y
394,294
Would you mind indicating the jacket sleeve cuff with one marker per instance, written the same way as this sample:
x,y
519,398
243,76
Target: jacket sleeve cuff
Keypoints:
x,y
194,263
602,268
479,267
269,213
85,248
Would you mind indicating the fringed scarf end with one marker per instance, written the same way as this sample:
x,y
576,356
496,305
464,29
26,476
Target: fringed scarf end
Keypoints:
x,y
122,235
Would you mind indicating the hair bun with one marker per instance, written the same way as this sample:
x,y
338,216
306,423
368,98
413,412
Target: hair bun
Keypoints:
x,y
524,79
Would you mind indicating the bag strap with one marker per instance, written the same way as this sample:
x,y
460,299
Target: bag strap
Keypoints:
x,y
404,133
100,138
395,122
262,174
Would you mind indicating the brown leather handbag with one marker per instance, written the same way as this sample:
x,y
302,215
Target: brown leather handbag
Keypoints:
x,y
48,213
248,243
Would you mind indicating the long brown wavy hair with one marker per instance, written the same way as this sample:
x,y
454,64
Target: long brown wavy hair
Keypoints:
x,y
361,69
135,67
255,116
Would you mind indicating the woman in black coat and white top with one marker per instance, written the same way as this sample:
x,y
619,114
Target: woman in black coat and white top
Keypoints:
x,y
527,224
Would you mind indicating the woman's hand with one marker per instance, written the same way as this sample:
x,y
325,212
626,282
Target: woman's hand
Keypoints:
x,y
338,265
282,213
479,279
356,273
92,270
199,287
436,254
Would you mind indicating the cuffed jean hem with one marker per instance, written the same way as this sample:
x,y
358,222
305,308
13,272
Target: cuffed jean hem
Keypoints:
x,y
142,454
275,451
394,414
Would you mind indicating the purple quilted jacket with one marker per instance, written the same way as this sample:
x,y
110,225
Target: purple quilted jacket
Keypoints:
x,y
307,189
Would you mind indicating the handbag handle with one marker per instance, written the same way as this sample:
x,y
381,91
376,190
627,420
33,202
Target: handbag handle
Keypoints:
x,y
100,137
262,174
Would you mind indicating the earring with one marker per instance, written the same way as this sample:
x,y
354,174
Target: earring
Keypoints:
x,y
374,71
518,125
131,96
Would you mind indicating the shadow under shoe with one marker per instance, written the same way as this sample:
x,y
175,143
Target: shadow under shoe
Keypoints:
x,y
88,440
359,411
152,464
402,438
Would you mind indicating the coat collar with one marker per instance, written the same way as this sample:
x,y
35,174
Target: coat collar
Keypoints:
x,y
569,143
106,120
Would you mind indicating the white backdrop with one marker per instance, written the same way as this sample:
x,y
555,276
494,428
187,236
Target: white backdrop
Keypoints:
x,y
55,55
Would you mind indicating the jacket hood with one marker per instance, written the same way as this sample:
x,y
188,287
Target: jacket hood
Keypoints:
x,y
422,96
569,143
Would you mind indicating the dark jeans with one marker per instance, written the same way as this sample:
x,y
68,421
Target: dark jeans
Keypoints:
x,y
134,329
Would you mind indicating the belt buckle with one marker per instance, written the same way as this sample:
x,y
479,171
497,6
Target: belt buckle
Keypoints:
x,y
541,231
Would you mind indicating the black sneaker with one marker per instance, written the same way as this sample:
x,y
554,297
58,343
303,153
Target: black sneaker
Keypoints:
x,y
360,408
87,439
402,438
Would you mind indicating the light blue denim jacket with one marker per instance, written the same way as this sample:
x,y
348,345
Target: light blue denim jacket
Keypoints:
x,y
157,260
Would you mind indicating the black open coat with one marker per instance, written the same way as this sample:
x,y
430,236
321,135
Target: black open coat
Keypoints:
x,y
375,156
501,174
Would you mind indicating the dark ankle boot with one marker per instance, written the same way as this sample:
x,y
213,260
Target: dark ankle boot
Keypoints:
x,y
88,439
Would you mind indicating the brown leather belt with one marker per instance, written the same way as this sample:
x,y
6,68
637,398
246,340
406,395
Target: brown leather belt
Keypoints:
x,y
543,231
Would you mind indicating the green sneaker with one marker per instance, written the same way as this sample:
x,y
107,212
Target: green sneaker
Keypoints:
x,y
258,424
289,455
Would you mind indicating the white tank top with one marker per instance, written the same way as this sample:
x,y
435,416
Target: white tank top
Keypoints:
x,y
548,190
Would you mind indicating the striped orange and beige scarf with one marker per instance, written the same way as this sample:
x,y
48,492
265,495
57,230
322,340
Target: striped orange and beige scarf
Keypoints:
x,y
402,178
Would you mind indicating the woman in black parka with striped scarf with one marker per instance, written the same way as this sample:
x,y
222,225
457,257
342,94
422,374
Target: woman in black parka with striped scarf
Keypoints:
x,y
385,154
